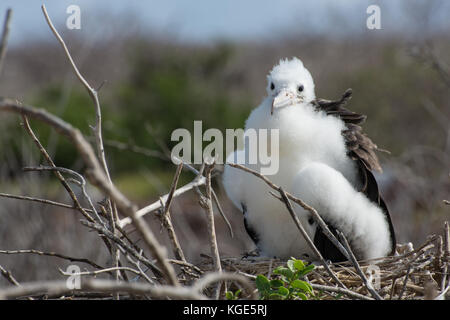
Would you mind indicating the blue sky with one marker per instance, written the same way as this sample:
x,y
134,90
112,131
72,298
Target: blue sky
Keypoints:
x,y
205,20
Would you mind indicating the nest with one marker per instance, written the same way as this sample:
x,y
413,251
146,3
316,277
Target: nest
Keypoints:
x,y
412,274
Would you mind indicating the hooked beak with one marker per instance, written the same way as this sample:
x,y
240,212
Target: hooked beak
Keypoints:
x,y
284,98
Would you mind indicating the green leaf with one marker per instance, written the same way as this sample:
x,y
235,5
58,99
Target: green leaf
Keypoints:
x,y
290,265
262,283
283,291
284,272
229,295
299,265
276,296
276,283
302,285
302,296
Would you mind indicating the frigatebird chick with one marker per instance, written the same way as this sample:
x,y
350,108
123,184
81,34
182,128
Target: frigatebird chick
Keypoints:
x,y
325,160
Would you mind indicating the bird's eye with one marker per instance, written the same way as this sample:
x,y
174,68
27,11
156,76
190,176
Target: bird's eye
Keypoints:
x,y
272,86
300,88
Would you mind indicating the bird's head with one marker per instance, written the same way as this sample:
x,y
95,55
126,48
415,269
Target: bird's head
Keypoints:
x,y
289,83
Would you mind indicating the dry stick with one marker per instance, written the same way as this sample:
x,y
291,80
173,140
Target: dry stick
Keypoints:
x,y
81,182
97,129
123,245
340,290
97,177
43,201
57,173
302,204
198,181
285,197
52,254
405,282
8,276
215,277
59,288
446,255
61,178
167,219
5,36
358,268
96,272
307,238
206,203
214,195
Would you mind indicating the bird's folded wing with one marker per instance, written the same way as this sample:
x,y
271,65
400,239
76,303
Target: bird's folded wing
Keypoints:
x,y
359,148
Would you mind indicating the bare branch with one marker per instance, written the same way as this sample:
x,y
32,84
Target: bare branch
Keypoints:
x,y
97,177
57,173
198,181
59,288
8,276
5,36
307,238
206,203
43,201
52,254
167,219
358,268
340,290
298,201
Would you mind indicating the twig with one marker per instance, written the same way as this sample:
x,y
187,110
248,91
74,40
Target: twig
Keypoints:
x,y
97,177
59,288
8,276
96,272
43,201
167,219
405,282
97,129
57,173
81,182
199,181
307,238
358,268
298,201
214,277
52,254
206,203
5,36
123,245
340,290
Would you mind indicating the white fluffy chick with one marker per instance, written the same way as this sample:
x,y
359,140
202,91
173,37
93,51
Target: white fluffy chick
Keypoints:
x,y
314,166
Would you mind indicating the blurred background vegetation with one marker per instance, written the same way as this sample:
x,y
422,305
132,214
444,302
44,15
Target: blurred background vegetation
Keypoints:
x,y
153,83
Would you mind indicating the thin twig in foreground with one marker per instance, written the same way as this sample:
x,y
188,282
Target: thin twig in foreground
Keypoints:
x,y
5,36
206,203
57,173
167,219
307,238
358,268
52,254
59,288
96,176
314,213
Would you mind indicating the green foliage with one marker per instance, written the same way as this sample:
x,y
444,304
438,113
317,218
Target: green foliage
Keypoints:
x,y
164,90
287,284
230,295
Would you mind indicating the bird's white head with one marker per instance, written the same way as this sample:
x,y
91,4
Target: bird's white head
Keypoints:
x,y
289,83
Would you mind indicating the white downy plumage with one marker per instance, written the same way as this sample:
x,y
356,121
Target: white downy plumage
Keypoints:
x,y
314,166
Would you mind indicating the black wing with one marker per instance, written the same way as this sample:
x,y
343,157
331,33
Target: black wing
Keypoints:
x,y
361,149
251,232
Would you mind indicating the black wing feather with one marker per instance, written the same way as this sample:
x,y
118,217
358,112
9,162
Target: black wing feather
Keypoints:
x,y
361,149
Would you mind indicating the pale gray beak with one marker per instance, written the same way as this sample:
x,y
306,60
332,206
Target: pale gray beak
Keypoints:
x,y
283,98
